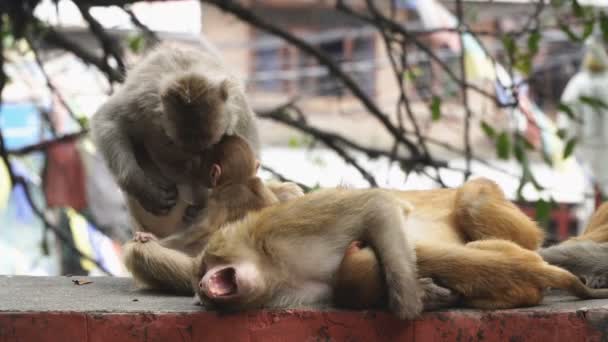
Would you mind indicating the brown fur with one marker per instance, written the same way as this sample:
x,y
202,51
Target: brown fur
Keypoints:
x,y
489,261
236,191
261,256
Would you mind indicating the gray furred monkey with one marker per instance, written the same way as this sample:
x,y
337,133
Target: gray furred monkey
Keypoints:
x,y
585,255
585,258
155,130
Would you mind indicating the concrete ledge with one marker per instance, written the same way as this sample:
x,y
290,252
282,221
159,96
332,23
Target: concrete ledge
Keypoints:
x,y
110,309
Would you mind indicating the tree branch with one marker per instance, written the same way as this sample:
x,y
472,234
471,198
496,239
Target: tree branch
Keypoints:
x,y
247,16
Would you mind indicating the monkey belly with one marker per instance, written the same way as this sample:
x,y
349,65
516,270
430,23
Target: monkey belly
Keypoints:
x,y
431,216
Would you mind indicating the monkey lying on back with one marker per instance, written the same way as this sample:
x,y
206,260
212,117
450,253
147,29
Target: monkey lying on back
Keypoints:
x,y
231,168
585,255
257,262
155,130
500,270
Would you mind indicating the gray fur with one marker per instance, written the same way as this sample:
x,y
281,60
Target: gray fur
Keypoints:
x,y
586,259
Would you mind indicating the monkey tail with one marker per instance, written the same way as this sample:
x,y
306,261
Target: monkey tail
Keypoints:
x,y
158,267
563,279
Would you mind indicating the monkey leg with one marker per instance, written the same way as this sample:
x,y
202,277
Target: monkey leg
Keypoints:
x,y
597,234
488,274
482,212
360,283
156,267
598,222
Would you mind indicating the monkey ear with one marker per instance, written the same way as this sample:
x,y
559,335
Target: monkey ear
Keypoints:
x,y
257,165
224,90
215,173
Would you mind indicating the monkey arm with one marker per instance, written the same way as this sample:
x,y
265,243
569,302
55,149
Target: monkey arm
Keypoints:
x,y
327,221
156,267
109,132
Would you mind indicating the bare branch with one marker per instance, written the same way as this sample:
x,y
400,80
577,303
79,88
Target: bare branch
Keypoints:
x,y
53,37
249,17
109,44
464,94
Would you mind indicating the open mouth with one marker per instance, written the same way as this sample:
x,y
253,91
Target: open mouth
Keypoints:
x,y
222,283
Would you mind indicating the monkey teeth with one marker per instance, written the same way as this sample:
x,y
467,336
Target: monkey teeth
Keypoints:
x,y
222,283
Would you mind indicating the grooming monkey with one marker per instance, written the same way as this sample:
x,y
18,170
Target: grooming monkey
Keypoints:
x,y
494,267
156,130
585,255
230,172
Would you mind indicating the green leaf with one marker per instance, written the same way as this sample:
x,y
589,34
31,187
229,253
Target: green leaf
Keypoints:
x,y
562,107
509,44
488,130
543,211
524,64
436,108
293,142
604,25
588,29
136,43
533,42
83,122
518,152
503,145
593,102
577,9
569,147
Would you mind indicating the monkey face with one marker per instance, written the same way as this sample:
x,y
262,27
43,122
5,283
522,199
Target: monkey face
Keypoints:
x,y
230,285
194,117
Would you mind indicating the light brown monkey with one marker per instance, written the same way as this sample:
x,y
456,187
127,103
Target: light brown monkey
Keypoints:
x,y
498,269
236,190
288,254
585,255
175,104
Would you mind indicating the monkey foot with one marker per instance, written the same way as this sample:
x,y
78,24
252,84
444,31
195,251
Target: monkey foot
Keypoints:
x,y
144,237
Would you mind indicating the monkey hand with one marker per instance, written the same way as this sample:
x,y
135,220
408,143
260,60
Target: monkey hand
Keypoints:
x,y
144,237
157,197
596,280
436,297
191,213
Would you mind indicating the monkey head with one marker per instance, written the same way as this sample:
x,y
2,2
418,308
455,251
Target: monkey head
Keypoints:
x,y
193,109
231,161
231,277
